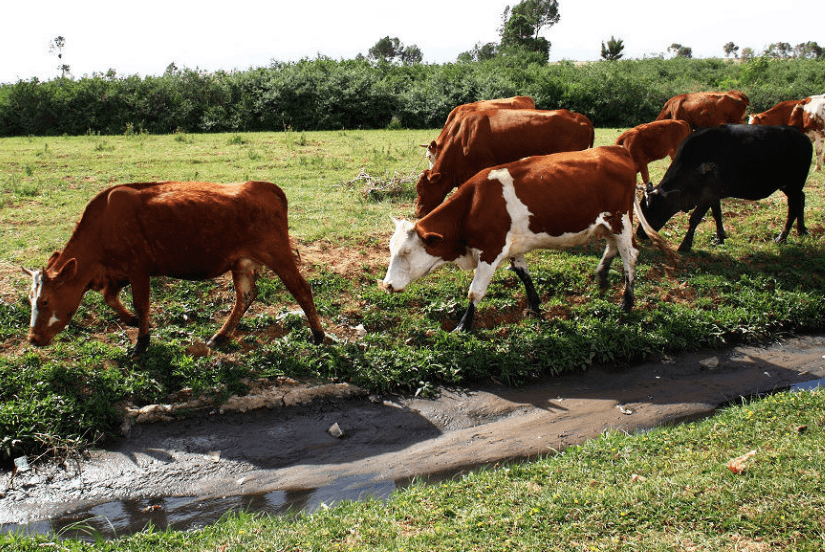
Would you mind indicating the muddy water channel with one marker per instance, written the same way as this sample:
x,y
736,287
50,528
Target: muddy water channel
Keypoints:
x,y
342,443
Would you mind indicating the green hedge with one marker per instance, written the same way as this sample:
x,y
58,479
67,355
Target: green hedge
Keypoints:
x,y
323,94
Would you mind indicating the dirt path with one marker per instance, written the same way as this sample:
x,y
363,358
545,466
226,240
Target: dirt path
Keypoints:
x,y
290,449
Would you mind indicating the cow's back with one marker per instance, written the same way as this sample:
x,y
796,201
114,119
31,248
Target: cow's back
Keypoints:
x,y
563,192
486,138
188,229
744,157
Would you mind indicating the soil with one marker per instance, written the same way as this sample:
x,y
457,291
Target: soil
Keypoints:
x,y
290,445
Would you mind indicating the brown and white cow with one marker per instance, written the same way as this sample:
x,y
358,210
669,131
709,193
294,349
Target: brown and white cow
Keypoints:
x,y
779,114
516,102
810,118
187,230
503,212
704,109
653,141
482,139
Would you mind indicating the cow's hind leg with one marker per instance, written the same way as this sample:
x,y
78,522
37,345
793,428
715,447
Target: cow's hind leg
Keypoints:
x,y
519,266
244,273
796,211
287,270
603,269
629,254
716,209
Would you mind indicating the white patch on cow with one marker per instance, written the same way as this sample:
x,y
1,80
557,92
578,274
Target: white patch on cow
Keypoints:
x,y
409,259
34,295
53,320
750,119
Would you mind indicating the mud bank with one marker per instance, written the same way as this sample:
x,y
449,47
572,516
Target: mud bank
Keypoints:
x,y
284,456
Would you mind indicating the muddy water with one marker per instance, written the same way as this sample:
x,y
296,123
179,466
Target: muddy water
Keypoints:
x,y
187,473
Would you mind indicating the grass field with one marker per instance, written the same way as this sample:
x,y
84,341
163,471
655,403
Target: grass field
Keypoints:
x,y
748,289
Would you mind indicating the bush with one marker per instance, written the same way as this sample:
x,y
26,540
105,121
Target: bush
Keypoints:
x,y
323,94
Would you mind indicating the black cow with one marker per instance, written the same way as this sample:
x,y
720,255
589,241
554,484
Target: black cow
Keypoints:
x,y
741,161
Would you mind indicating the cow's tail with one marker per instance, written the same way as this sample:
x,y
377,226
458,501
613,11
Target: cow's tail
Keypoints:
x,y
654,236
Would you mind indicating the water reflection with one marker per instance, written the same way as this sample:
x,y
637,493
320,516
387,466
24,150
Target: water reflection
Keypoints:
x,y
124,517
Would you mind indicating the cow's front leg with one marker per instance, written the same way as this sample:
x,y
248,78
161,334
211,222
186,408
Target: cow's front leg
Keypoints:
x,y
478,287
519,266
140,300
716,209
695,218
111,294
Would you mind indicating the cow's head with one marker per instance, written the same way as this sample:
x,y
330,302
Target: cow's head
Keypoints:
x,y
659,205
54,295
430,191
409,259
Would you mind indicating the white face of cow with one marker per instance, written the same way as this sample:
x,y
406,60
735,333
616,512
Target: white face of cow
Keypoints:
x,y
409,259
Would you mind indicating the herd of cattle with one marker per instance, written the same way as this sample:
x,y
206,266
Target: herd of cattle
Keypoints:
x,y
526,178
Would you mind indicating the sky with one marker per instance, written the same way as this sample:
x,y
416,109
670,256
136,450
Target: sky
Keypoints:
x,y
145,37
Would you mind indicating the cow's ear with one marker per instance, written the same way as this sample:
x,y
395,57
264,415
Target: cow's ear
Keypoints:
x,y
433,145
434,178
52,259
432,238
68,271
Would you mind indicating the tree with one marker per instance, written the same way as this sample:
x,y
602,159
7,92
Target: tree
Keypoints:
x,y
809,50
56,47
731,49
680,51
613,49
480,52
748,54
411,55
392,49
781,50
522,24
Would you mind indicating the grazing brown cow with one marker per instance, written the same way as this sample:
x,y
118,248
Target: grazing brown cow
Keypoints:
x,y
188,230
779,114
550,202
810,118
653,141
704,109
482,139
516,102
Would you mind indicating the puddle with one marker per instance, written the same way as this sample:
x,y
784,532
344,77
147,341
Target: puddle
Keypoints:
x,y
120,518
809,385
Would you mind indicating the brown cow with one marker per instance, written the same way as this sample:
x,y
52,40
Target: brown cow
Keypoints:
x,y
516,102
188,230
482,139
704,109
779,114
550,202
652,141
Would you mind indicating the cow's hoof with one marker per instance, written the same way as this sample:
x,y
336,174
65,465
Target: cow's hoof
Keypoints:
x,y
318,337
216,341
781,239
532,313
141,346
685,248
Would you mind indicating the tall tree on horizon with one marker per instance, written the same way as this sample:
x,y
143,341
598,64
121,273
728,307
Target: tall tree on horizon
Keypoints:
x,y
522,24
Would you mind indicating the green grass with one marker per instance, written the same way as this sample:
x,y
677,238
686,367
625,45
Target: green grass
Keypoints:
x,y
747,290
663,490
